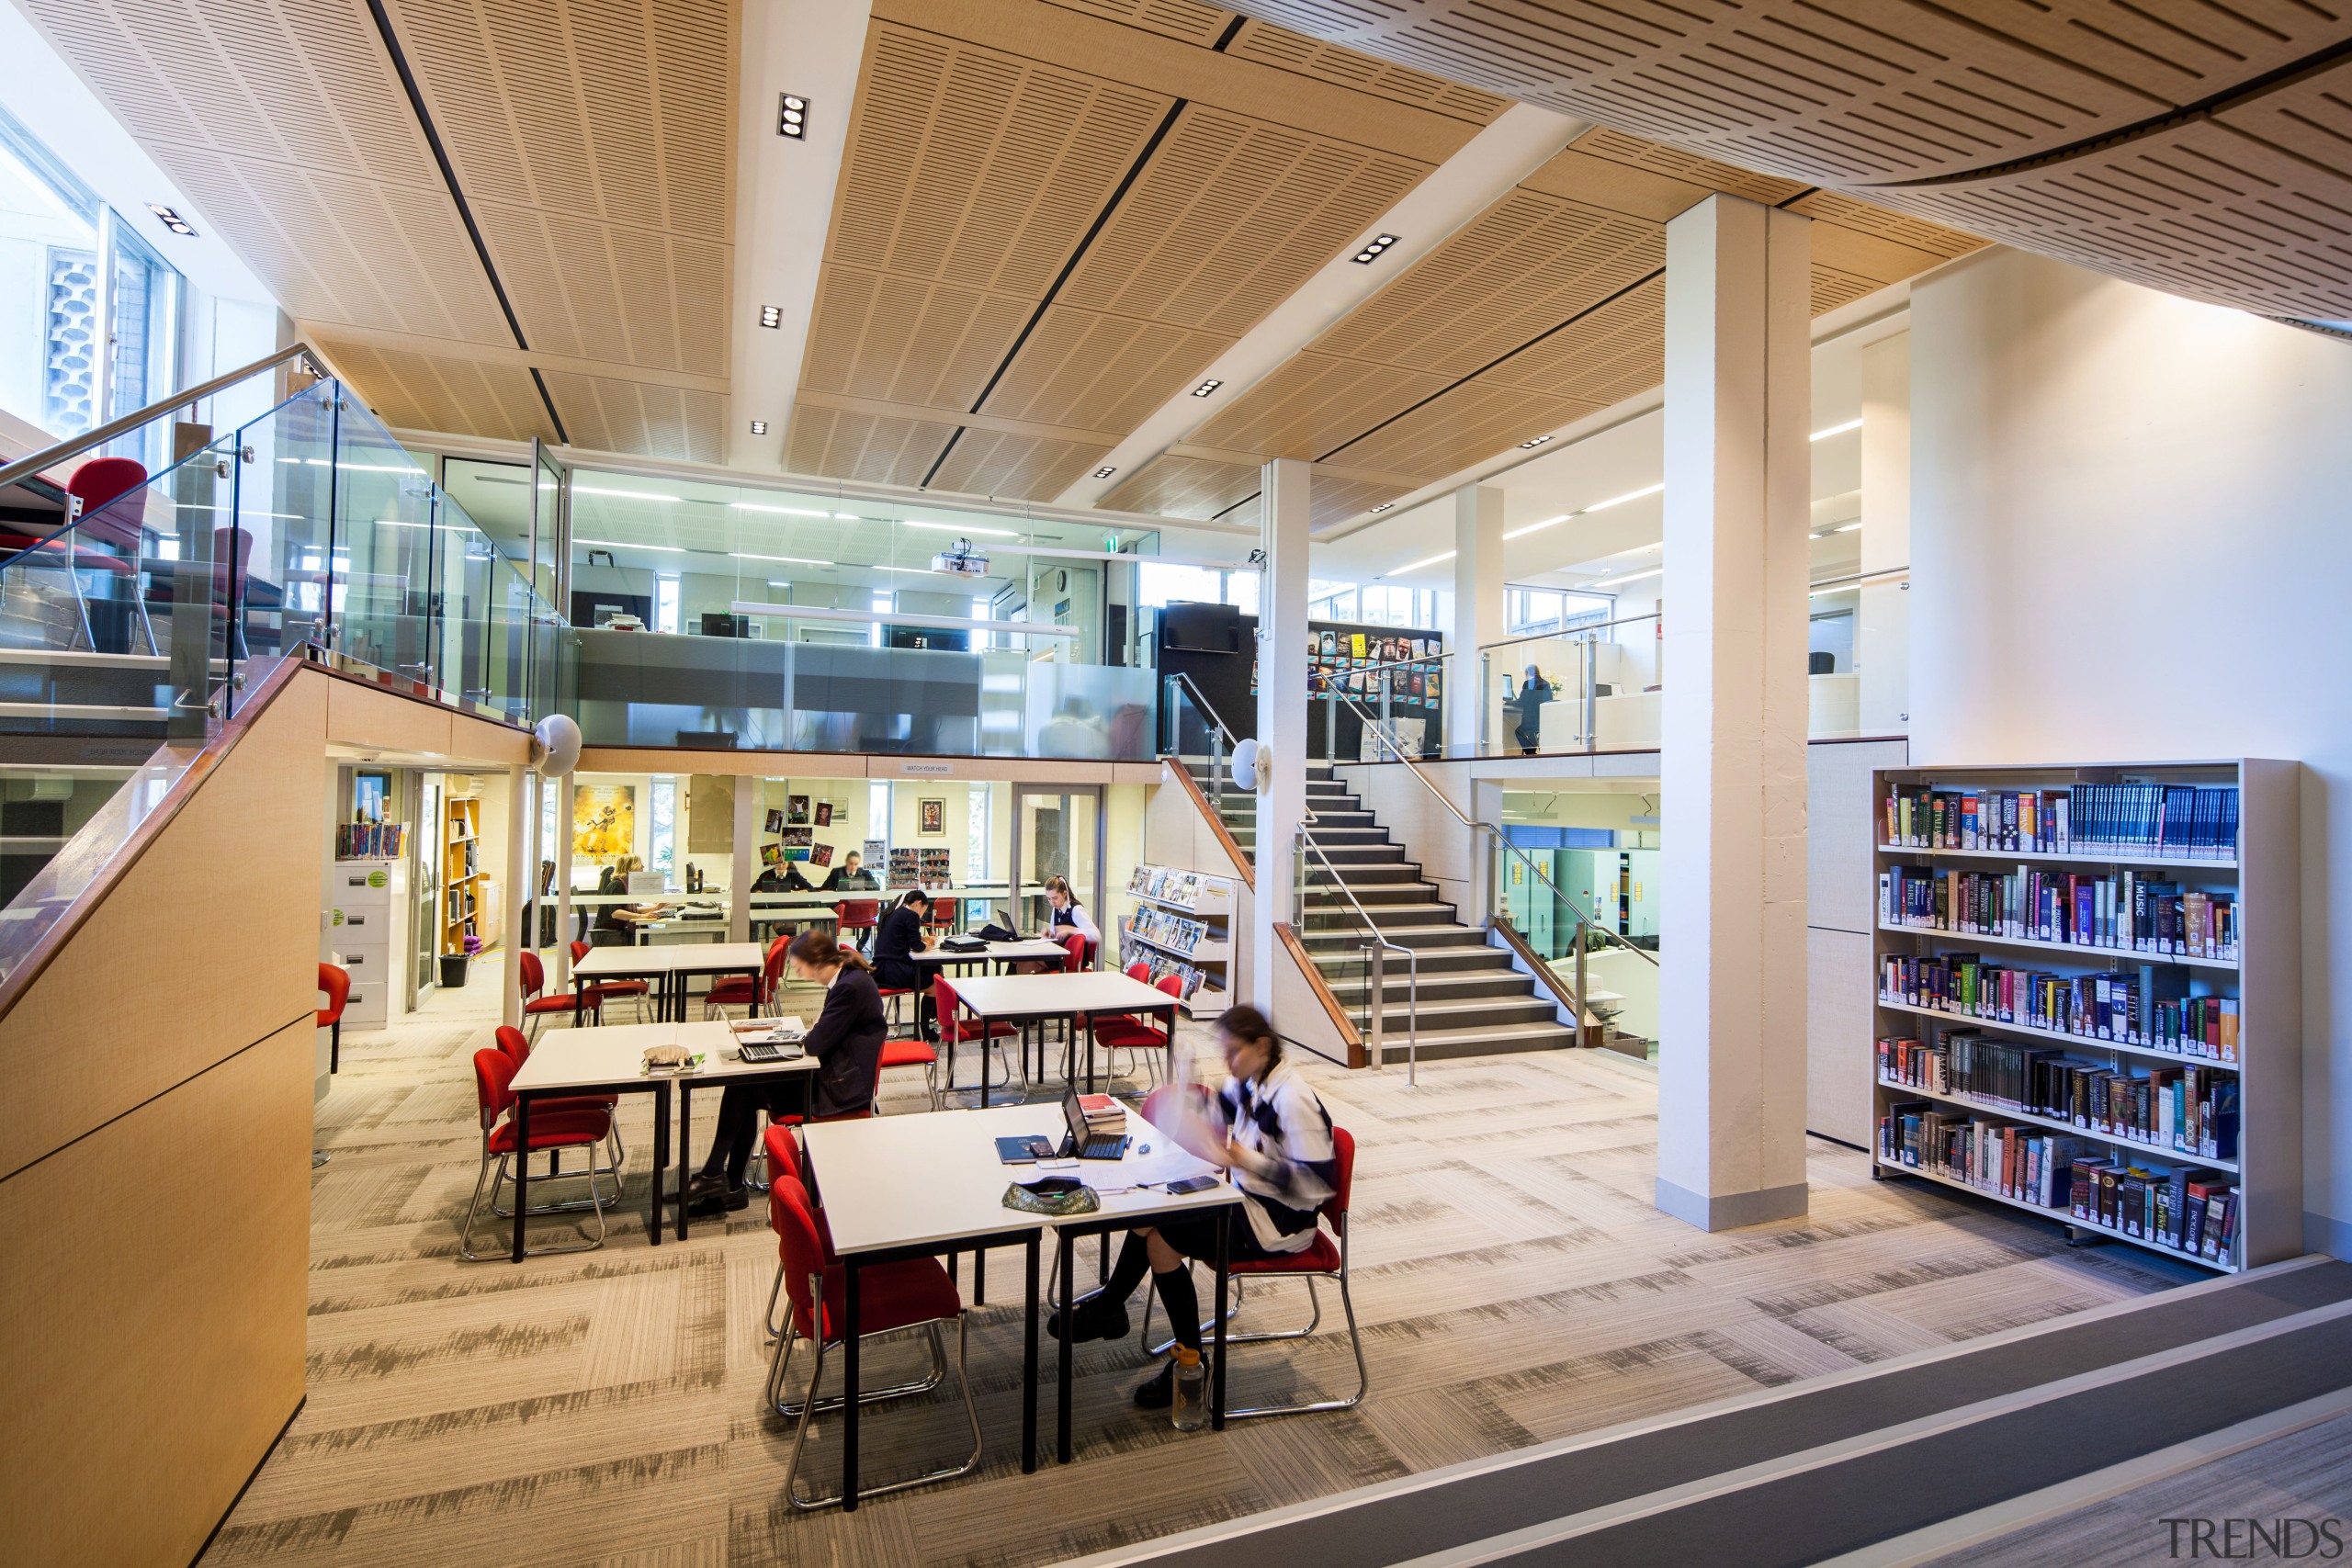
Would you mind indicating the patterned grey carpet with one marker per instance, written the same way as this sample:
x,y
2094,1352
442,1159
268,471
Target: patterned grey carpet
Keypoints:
x,y
1514,1282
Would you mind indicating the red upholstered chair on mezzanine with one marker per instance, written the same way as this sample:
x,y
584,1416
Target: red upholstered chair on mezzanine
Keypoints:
x,y
894,1298
749,991
532,976
494,1089
634,992
335,983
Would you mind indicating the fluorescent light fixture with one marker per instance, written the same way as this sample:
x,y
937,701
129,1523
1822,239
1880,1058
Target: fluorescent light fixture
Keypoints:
x,y
779,511
400,522
1531,527
1629,576
1848,528
1416,565
788,560
963,528
772,316
620,545
171,219
623,494
1835,429
759,427
792,117
847,517
1205,387
1105,471
1537,441
1374,248
360,468
1587,511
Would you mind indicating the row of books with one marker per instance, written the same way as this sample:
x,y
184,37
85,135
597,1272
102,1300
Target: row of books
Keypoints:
x,y
2180,821
370,840
2022,1164
2127,911
1168,887
1168,928
2148,1006
2192,1111
2183,1208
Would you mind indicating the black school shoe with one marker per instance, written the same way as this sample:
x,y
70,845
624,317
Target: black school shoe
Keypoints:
x,y
1092,1316
708,1196
1160,1392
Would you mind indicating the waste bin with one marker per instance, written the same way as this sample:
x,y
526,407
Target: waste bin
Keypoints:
x,y
453,969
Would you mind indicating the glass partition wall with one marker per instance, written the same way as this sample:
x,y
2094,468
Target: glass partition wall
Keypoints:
x,y
1582,869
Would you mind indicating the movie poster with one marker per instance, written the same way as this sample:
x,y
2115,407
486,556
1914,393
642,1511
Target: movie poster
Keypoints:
x,y
603,821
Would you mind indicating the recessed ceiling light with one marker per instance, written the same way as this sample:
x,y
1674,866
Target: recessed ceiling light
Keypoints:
x,y
1374,249
1205,387
172,220
759,427
1537,441
623,494
772,316
1106,470
1383,506
1835,429
792,118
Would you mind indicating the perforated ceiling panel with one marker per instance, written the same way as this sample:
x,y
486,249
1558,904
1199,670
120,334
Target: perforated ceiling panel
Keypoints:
x,y
1312,57
1174,486
877,448
993,462
610,415
2228,182
464,396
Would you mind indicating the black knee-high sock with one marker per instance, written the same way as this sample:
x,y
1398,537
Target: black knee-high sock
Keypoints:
x,y
1134,1263
1183,1303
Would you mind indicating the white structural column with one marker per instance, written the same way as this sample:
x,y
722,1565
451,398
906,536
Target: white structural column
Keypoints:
x,y
1477,612
740,870
1732,1013
1281,712
563,883
1882,630
519,887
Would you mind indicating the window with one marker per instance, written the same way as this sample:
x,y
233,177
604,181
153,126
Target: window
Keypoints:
x,y
1529,612
662,843
1241,590
1158,585
665,602
878,824
881,605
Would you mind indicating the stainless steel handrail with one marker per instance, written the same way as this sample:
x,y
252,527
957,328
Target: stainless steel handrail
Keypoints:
x,y
1565,633
1492,832
73,447
1221,740
1373,942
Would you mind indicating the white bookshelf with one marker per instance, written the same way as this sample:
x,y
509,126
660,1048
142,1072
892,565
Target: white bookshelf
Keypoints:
x,y
2260,872
1183,919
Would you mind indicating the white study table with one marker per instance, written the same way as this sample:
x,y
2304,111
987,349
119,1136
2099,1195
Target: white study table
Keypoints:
x,y
899,1187
668,967
611,1060
1024,999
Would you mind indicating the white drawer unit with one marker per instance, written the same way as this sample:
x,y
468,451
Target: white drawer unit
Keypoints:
x,y
363,929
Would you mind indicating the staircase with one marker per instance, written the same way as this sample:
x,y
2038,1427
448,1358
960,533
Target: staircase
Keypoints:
x,y
1472,1001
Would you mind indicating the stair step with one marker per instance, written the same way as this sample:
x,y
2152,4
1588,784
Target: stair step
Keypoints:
x,y
1441,1045
1383,916
1350,983
1362,873
1434,938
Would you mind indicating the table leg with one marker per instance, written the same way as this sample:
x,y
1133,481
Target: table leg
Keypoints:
x,y
1168,1067
849,1389
1029,1369
522,1169
1224,1277
579,1001
685,1148
661,1156
1090,1056
1062,1394
984,1059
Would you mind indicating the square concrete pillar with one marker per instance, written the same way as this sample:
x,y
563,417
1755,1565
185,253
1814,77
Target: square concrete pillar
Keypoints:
x,y
1282,712
1477,611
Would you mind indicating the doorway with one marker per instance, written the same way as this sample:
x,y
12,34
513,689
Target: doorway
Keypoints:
x,y
1057,831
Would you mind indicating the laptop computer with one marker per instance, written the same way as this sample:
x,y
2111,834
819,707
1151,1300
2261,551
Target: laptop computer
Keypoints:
x,y
1081,1145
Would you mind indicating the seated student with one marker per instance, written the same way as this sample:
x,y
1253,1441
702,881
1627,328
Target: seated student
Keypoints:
x,y
846,1038
783,878
623,918
850,876
1272,1133
896,940
1069,915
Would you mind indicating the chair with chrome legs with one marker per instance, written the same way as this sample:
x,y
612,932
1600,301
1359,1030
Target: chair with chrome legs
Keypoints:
x,y
531,975
637,993
893,1298
493,1081
516,1047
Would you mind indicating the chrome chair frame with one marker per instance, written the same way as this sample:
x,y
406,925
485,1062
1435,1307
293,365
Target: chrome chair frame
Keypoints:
x,y
595,1200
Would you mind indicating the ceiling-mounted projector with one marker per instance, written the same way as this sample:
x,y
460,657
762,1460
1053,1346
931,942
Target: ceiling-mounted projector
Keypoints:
x,y
961,560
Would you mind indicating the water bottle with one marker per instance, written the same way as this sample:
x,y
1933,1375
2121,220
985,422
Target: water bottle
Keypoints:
x,y
1189,1411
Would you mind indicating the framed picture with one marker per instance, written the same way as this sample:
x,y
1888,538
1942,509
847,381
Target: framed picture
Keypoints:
x,y
603,821
931,817
775,820
798,838
771,853
795,809
824,816
821,854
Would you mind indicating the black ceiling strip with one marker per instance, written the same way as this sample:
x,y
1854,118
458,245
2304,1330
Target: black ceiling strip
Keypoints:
x,y
458,195
1225,37
1522,348
1237,506
1799,196
935,462
563,436
1134,170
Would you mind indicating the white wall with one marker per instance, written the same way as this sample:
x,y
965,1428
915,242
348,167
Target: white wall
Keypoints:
x,y
2131,540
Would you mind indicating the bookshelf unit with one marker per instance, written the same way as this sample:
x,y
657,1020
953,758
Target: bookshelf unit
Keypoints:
x,y
461,873
1182,924
2143,948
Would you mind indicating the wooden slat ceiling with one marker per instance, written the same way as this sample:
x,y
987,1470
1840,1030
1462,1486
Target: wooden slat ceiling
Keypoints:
x,y
2202,148
593,144
1547,307
1019,236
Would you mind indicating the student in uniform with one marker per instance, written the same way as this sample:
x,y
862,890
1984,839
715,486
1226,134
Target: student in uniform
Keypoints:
x,y
1069,915
846,1038
1270,1130
850,876
896,940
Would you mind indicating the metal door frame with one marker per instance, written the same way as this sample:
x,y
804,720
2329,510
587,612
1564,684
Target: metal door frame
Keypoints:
x,y
1090,897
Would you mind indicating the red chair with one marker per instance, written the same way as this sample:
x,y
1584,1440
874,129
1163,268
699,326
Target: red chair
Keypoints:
x,y
1130,1033
633,991
336,984
893,1298
493,1080
956,1029
517,1048
753,991
1075,944
859,915
910,1052
532,976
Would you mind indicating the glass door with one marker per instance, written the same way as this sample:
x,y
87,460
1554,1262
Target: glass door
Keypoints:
x,y
1057,831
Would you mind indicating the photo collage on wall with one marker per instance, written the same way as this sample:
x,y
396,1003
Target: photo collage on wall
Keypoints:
x,y
1349,662
790,826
